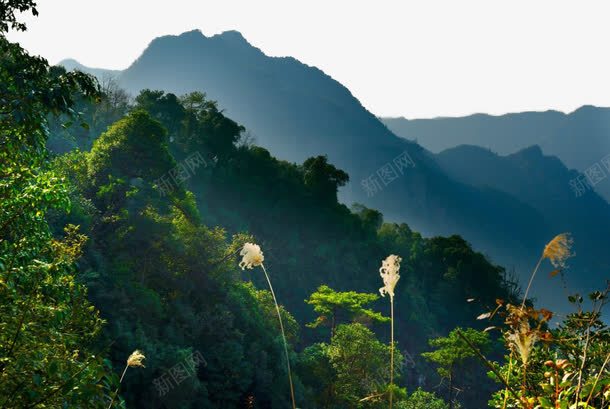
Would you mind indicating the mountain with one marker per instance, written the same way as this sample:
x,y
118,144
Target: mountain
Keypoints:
x,y
277,99
580,139
101,73
297,111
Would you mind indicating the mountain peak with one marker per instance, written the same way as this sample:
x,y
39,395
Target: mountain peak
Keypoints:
x,y
192,34
186,37
70,64
68,61
534,151
232,35
236,40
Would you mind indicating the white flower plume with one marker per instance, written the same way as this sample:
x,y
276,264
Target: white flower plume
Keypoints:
x,y
135,359
389,272
252,256
523,341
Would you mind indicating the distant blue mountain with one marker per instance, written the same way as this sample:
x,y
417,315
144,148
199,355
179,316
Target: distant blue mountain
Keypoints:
x,y
100,73
580,139
296,111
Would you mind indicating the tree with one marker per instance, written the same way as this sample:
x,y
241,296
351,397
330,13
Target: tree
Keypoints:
x,y
372,219
47,325
134,147
360,362
323,178
167,283
114,104
207,128
94,117
451,352
317,374
8,10
330,305
422,400
166,108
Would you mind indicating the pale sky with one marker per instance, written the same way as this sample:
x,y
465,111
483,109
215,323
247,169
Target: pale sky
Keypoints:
x,y
399,58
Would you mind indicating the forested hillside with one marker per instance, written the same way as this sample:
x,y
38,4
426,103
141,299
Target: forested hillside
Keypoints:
x,y
132,185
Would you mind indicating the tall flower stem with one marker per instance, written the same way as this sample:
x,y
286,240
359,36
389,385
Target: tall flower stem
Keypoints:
x,y
389,273
134,360
279,316
510,363
597,380
529,284
116,392
391,350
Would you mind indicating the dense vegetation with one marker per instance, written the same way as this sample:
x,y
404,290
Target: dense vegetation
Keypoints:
x,y
152,263
127,237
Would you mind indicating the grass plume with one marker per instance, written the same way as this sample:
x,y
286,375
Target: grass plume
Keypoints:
x,y
389,273
252,256
135,360
557,251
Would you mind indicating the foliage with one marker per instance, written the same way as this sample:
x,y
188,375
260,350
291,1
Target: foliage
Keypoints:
x,y
329,304
8,11
134,147
112,105
563,367
451,352
168,284
47,325
421,399
351,371
318,375
360,362
166,279
164,107
323,178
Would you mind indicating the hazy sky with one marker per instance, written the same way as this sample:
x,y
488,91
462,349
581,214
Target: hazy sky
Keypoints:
x,y
399,58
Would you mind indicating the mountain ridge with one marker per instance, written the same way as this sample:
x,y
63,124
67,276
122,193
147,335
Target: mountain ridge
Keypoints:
x,y
579,138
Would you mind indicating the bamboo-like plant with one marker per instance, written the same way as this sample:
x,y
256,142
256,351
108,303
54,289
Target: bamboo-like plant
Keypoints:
x,y
252,256
389,273
134,360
